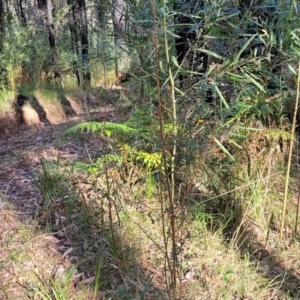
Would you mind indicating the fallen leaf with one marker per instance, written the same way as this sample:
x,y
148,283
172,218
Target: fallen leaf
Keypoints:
x,y
69,250
89,280
51,239
54,250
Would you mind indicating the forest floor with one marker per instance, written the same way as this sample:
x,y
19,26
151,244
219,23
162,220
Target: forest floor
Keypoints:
x,y
28,133
31,260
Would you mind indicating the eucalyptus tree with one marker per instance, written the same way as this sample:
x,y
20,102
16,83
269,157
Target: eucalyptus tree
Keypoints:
x,y
20,11
2,35
119,21
83,32
74,38
41,4
2,23
119,17
102,11
51,37
78,26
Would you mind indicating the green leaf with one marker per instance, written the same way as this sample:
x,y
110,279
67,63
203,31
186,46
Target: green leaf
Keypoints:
x,y
234,143
296,50
79,165
93,169
235,77
223,100
146,287
236,59
108,128
175,62
257,84
292,69
213,54
224,149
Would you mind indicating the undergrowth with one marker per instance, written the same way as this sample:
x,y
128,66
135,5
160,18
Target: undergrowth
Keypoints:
x,y
183,198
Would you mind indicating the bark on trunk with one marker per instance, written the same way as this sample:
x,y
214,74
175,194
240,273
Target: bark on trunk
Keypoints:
x,y
74,38
20,12
84,43
51,38
119,23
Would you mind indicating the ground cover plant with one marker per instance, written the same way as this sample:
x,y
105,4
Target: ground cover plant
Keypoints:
x,y
151,156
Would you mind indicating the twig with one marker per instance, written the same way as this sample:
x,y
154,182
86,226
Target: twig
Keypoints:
x,y
290,154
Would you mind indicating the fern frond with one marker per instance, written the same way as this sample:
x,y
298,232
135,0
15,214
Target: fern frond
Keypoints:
x,y
150,160
97,166
110,158
107,128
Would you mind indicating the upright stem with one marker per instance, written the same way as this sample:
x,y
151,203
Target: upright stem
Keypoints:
x,y
174,111
170,186
174,147
290,153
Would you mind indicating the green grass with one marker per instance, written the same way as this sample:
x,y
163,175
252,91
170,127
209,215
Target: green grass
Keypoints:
x,y
116,237
109,220
6,98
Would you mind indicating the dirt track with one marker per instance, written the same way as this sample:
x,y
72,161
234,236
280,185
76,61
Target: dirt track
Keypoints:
x,y
26,135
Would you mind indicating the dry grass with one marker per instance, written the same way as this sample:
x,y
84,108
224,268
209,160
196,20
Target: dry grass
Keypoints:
x,y
30,260
105,234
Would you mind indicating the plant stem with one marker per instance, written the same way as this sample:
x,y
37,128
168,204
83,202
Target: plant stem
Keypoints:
x,y
170,187
290,154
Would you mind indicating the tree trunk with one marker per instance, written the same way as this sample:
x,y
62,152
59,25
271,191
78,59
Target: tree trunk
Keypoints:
x,y
52,39
74,38
3,71
101,12
21,13
84,43
2,24
19,9
42,4
119,23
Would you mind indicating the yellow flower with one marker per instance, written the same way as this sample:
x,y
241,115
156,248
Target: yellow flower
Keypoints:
x,y
265,32
199,122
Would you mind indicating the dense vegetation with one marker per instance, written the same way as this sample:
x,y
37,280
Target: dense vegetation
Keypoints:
x,y
192,191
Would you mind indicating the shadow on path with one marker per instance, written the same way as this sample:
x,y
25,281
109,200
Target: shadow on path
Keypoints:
x,y
20,113
66,105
